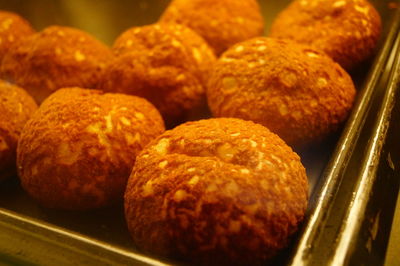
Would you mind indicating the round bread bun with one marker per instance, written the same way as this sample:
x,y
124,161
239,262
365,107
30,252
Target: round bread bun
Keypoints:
x,y
16,108
54,58
13,28
347,30
79,148
297,92
221,23
218,191
168,64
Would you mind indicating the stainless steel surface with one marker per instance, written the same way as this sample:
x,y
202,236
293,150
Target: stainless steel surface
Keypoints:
x,y
357,213
57,244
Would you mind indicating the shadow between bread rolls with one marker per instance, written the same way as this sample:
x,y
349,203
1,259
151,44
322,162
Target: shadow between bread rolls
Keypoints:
x,y
16,108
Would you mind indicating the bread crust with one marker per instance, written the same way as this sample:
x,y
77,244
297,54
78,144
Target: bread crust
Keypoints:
x,y
347,30
221,23
13,28
216,191
297,92
54,58
168,64
79,148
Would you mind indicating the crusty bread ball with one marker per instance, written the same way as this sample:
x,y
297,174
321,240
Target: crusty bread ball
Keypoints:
x,y
16,108
216,192
221,23
347,30
78,149
13,28
54,58
168,64
297,92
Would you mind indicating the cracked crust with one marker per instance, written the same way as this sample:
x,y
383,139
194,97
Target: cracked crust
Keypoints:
x,y
167,64
347,30
221,23
16,108
79,148
297,92
217,191
13,29
54,58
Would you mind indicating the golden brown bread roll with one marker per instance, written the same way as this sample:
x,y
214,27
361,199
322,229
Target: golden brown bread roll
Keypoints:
x,y
13,28
347,30
168,64
297,92
221,23
54,58
78,149
217,191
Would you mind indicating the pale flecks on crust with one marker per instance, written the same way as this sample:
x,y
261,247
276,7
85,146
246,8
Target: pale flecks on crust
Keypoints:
x,y
216,191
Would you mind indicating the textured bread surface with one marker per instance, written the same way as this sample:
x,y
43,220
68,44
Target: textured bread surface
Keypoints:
x,y
221,23
54,58
347,30
79,148
168,64
13,28
297,92
217,191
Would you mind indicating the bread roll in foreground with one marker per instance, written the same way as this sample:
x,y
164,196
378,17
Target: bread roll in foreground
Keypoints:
x,y
346,30
16,108
217,191
79,148
296,91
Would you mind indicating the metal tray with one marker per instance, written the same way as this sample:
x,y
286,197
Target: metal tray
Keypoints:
x,y
353,180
